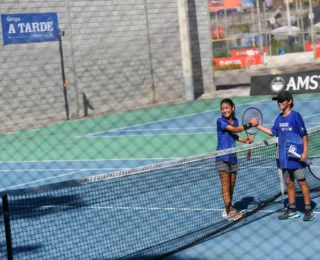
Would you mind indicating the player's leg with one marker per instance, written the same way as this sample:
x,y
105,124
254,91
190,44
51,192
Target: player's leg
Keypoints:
x,y
233,168
224,174
300,176
233,177
291,211
233,213
225,191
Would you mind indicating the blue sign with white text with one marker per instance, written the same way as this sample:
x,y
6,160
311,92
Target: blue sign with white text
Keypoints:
x,y
26,28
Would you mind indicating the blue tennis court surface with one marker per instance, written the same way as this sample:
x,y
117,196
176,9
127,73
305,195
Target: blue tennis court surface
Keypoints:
x,y
36,173
190,208
267,238
205,122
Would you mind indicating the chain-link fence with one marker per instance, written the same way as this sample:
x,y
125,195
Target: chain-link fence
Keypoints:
x,y
115,143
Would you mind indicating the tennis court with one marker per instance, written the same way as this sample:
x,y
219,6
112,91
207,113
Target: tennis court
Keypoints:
x,y
60,155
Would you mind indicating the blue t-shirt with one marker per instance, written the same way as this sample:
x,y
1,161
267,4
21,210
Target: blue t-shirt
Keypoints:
x,y
226,140
289,130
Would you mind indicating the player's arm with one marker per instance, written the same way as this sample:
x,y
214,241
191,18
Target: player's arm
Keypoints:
x,y
304,155
270,131
237,129
264,129
304,135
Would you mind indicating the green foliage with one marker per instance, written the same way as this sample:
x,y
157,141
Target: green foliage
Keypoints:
x,y
220,53
241,28
228,67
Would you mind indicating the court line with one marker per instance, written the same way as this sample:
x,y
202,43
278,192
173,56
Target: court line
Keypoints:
x,y
195,128
102,169
311,115
132,135
297,100
92,160
164,134
147,208
45,179
158,208
167,119
64,169
157,129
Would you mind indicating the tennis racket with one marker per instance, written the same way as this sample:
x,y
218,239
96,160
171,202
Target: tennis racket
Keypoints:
x,y
250,113
313,164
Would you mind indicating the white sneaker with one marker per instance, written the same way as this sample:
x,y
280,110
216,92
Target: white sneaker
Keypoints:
x,y
224,213
234,215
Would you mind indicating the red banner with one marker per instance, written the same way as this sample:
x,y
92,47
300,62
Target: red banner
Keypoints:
x,y
246,52
244,61
308,46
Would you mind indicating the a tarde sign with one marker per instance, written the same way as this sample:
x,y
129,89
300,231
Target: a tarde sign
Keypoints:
x,y
32,27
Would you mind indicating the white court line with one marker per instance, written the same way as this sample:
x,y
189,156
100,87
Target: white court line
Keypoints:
x,y
167,129
148,208
116,169
311,116
167,119
64,169
132,135
306,100
45,179
92,160
157,209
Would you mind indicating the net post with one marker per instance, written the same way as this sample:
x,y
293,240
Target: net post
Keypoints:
x,y
280,173
6,217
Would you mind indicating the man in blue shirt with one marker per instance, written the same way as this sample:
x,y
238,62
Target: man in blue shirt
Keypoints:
x,y
292,134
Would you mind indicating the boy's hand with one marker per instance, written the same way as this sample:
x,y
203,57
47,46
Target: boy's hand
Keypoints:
x,y
304,157
254,121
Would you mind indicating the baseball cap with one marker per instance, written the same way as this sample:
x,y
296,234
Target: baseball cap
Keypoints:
x,y
283,95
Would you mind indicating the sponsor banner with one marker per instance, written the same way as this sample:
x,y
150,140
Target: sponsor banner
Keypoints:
x,y
244,61
246,52
308,46
296,83
32,27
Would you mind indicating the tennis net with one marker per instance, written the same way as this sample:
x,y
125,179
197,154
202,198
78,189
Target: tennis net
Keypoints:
x,y
148,212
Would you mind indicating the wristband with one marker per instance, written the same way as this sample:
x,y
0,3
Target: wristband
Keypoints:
x,y
247,126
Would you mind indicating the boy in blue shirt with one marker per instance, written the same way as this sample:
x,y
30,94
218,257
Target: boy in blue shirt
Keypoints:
x,y
292,134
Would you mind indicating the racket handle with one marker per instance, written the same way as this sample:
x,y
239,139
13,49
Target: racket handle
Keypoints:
x,y
249,155
294,153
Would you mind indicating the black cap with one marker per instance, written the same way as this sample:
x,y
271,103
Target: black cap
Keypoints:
x,y
283,95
